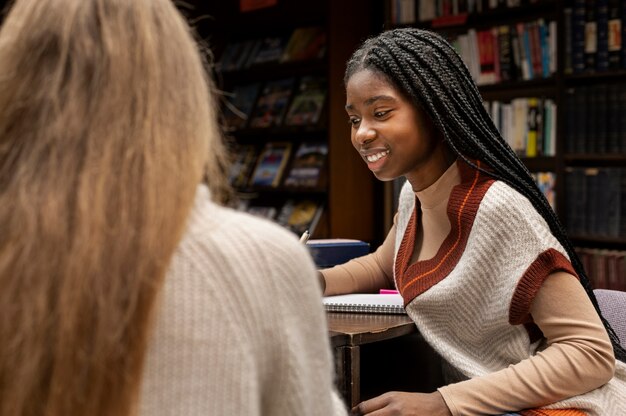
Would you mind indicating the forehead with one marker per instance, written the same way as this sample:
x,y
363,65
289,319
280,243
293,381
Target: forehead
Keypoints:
x,y
367,87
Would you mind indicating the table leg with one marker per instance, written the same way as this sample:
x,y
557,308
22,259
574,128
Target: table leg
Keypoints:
x,y
348,367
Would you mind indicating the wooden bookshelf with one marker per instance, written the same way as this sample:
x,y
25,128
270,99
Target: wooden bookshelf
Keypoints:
x,y
347,190
561,86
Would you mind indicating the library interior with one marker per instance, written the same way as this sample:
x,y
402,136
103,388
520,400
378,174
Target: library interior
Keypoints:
x,y
551,75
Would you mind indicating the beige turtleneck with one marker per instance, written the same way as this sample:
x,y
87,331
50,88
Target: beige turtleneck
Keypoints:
x,y
562,310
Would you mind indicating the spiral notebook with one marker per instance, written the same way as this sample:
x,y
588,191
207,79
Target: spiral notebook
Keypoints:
x,y
365,303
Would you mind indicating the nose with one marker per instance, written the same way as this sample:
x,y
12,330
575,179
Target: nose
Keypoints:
x,y
365,134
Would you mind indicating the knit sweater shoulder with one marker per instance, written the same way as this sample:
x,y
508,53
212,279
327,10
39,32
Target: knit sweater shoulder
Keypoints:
x,y
472,300
239,328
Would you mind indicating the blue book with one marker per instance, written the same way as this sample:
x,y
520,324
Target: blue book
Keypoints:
x,y
334,251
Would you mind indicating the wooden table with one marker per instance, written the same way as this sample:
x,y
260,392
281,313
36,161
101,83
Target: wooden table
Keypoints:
x,y
348,332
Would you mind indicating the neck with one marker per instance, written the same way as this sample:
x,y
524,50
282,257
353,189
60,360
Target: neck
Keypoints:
x,y
436,165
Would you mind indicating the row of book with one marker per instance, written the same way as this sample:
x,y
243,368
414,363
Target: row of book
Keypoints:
x,y
272,166
606,269
297,215
516,52
594,119
596,202
304,43
527,124
594,36
282,102
411,11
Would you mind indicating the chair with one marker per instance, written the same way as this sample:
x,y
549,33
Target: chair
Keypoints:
x,y
613,306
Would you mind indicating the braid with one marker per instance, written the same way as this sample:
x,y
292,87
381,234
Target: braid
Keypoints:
x,y
427,69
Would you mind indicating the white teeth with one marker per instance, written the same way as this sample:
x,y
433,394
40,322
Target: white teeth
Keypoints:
x,y
377,156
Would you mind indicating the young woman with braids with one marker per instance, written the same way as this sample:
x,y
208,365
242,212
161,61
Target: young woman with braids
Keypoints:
x,y
485,270
124,288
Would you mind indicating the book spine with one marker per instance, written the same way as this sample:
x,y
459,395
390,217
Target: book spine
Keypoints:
x,y
578,36
614,31
591,36
602,17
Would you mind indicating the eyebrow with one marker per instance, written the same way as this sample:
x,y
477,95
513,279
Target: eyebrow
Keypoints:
x,y
372,100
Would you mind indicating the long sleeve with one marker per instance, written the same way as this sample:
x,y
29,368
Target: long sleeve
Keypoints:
x,y
240,328
365,274
579,357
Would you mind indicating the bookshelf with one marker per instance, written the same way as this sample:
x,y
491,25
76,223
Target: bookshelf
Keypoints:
x,y
345,189
586,83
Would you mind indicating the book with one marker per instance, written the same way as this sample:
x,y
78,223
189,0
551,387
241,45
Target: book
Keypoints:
x,y
268,50
235,55
244,159
270,164
305,43
272,104
365,303
300,215
307,165
330,252
308,102
238,105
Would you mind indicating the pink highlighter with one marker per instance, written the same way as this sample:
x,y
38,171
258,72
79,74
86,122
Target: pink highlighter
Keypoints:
x,y
388,292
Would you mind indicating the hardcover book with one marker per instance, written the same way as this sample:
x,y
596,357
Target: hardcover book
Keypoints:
x,y
268,50
300,216
270,164
244,159
272,104
308,102
307,165
332,251
236,55
306,43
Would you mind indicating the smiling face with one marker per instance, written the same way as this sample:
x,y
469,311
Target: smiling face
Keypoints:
x,y
393,136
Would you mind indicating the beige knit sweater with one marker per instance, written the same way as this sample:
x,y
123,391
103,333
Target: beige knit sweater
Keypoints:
x,y
578,344
240,328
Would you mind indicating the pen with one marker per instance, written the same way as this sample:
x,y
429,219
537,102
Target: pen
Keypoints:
x,y
305,237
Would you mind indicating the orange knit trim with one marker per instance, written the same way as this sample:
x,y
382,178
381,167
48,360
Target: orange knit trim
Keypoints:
x,y
552,412
546,263
465,198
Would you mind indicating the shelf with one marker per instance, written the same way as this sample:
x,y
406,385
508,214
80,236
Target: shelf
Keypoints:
x,y
594,160
540,87
280,133
618,243
556,88
268,71
501,15
540,164
595,77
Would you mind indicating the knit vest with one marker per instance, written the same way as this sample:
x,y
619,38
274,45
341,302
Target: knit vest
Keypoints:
x,y
471,301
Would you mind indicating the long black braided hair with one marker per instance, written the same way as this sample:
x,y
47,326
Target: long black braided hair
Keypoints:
x,y
427,69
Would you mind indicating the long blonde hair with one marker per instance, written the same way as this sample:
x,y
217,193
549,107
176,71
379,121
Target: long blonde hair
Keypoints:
x,y
107,126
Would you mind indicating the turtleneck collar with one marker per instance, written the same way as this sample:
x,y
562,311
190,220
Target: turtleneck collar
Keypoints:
x,y
439,192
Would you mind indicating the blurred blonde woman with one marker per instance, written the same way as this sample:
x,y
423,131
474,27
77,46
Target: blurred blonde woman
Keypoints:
x,y
124,288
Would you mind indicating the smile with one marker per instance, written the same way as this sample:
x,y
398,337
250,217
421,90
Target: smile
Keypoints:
x,y
376,156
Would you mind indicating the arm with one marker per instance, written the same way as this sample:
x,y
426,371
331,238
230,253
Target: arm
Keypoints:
x,y
364,274
579,357
301,378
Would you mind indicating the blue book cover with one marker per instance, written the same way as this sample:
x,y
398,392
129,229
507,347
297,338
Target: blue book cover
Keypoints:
x,y
331,252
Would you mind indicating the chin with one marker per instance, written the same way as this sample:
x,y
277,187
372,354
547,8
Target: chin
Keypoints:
x,y
385,177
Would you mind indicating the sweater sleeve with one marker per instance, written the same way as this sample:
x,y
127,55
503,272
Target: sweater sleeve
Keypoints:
x,y
365,274
578,359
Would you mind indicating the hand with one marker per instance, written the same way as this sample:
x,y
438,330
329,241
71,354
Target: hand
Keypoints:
x,y
399,403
